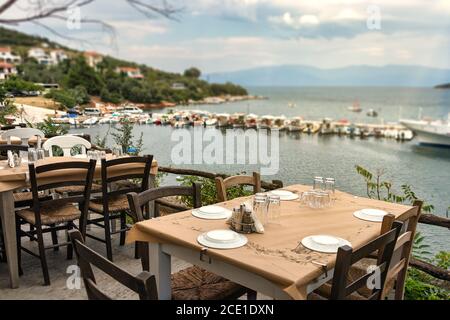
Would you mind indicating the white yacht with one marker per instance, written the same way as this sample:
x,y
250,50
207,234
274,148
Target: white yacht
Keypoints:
x,y
129,109
430,132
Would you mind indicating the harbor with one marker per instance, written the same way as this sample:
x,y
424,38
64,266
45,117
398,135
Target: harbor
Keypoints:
x,y
200,118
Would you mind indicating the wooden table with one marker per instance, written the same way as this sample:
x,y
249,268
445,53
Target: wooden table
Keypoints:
x,y
16,178
268,263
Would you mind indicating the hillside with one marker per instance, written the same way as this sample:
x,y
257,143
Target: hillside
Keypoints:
x,y
80,75
298,75
443,86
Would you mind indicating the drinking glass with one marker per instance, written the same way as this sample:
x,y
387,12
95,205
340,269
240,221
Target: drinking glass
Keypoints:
x,y
32,155
117,152
40,153
321,200
260,208
307,198
318,183
274,208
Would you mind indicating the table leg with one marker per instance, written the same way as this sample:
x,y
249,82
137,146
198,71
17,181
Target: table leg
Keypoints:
x,y
160,266
7,215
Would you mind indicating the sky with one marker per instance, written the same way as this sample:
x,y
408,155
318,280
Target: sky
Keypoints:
x,y
228,35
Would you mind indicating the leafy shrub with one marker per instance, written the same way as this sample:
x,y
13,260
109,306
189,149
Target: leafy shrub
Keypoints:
x,y
209,191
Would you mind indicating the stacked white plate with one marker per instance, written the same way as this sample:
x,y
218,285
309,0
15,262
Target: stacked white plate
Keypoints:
x,y
373,215
222,239
324,243
212,213
284,195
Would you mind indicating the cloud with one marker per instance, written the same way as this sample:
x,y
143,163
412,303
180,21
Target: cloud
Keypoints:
x,y
294,22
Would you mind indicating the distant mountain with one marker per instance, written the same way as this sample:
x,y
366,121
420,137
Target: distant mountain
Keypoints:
x,y
299,75
443,86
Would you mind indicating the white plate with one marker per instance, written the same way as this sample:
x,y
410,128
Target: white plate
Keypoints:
x,y
373,215
324,243
211,209
284,195
225,214
222,239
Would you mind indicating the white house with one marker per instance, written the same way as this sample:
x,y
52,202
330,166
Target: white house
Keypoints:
x,y
58,56
134,73
178,86
7,56
41,56
6,70
93,58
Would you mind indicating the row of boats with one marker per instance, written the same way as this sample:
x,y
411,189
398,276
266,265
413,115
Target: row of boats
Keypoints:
x,y
200,118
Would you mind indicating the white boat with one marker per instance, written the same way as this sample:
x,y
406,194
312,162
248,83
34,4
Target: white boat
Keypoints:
x,y
355,107
90,121
296,125
223,119
430,132
211,122
92,112
129,109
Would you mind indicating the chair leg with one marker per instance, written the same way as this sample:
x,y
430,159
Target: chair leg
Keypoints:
x,y
136,251
251,294
108,236
69,246
19,245
42,255
54,237
123,223
143,253
400,285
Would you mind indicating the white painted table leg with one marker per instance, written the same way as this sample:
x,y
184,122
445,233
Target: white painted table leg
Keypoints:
x,y
9,233
160,266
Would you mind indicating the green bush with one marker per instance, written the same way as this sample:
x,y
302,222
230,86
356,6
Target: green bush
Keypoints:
x,y
209,191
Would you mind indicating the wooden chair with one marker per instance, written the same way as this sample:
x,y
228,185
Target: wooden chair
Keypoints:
x,y
398,269
66,143
55,214
143,284
193,283
113,204
343,287
223,184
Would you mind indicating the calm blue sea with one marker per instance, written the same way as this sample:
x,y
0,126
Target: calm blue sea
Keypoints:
x,y
427,169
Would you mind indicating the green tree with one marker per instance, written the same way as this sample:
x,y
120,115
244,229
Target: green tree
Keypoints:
x,y
80,73
192,73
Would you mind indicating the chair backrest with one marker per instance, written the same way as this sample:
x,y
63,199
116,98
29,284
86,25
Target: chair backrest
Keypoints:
x,y
137,202
61,174
223,184
66,143
144,164
346,257
144,284
23,134
403,248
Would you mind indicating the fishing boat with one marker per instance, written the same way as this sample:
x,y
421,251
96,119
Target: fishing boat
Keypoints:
x,y
431,132
279,123
355,107
326,127
212,122
295,125
372,113
266,122
223,119
90,121
251,121
312,127
237,120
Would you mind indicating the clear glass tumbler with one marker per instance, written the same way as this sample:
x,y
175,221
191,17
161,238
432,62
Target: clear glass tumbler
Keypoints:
x,y
318,183
274,208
